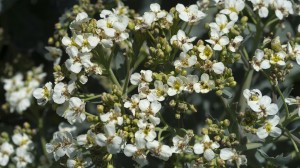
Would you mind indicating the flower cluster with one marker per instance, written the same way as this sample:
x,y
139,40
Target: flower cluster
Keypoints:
x,y
19,89
131,83
21,151
264,110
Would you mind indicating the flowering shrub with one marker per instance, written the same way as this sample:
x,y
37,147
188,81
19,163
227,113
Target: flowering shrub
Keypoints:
x,y
147,90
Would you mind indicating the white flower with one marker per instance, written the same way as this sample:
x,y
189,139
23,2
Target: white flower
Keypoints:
x,y
206,147
283,8
205,85
62,92
137,151
189,82
110,139
5,151
192,14
149,110
144,76
218,67
53,54
269,128
133,103
61,144
205,52
114,116
22,140
221,25
79,161
262,6
253,95
264,106
143,90
182,41
160,151
176,85
235,43
73,110
43,95
232,8
259,62
181,144
292,101
159,92
231,155
77,60
278,58
23,158
185,61
113,25
146,131
217,40
294,52
81,18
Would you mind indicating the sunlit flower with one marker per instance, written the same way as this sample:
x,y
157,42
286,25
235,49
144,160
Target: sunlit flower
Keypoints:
x,y
269,128
110,139
206,147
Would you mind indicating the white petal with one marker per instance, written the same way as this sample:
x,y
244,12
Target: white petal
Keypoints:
x,y
198,148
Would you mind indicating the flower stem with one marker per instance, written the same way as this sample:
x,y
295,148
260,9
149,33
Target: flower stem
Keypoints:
x,y
287,112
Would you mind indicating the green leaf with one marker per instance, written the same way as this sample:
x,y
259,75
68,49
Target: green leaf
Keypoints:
x,y
278,160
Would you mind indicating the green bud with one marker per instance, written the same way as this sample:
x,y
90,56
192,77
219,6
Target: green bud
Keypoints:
x,y
100,108
107,157
177,116
244,19
131,25
226,123
57,68
219,92
276,45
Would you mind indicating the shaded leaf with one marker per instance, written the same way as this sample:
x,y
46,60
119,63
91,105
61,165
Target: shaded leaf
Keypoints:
x,y
278,160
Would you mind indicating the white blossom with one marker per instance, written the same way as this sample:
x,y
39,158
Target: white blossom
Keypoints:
x,y
218,67
61,144
269,128
253,95
110,139
264,106
278,58
43,95
113,116
231,155
258,62
146,131
221,25
79,161
205,52
73,110
190,14
23,158
22,140
262,7
137,151
159,150
206,147
185,61
6,150
133,103
159,92
181,144
232,8
235,43
182,41
217,40
144,76
283,8
176,85
205,85
62,92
